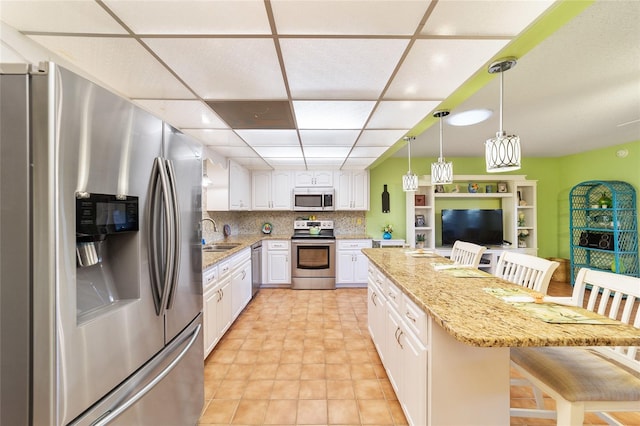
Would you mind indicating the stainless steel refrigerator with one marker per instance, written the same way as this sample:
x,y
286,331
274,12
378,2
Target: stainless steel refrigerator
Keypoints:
x,y
100,265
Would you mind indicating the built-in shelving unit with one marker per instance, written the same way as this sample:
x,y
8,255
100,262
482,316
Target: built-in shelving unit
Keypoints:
x,y
604,227
514,194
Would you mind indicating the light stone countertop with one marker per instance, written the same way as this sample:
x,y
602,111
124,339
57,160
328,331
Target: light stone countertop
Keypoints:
x,y
244,241
472,316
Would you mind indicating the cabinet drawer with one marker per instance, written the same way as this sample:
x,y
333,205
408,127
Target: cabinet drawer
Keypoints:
x,y
415,318
209,277
353,244
224,268
240,258
393,295
277,245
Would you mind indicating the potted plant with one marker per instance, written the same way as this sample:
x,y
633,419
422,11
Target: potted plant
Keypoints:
x,y
419,240
522,234
386,231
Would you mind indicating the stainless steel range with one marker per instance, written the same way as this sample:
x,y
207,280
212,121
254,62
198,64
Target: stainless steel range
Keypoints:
x,y
313,248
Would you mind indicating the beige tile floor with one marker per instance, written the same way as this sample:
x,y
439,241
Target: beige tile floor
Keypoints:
x,y
297,357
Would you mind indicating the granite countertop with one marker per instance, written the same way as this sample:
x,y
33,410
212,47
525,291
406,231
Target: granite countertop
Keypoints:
x,y
353,237
244,241
472,316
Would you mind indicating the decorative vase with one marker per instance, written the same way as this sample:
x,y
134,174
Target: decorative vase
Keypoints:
x,y
386,236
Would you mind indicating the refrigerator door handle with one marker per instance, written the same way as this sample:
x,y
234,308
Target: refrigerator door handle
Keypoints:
x,y
171,175
161,286
116,410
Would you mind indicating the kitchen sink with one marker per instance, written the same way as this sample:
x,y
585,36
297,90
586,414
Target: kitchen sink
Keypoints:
x,y
219,247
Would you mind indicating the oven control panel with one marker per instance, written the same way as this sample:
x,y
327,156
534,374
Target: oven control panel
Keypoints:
x,y
307,224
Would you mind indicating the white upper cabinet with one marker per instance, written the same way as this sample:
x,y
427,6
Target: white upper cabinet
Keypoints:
x,y
229,188
239,187
313,178
352,190
271,190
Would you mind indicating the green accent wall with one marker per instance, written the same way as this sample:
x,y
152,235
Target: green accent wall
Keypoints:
x,y
555,176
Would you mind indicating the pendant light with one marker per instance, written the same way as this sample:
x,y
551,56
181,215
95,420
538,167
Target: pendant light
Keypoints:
x,y
410,180
441,172
502,153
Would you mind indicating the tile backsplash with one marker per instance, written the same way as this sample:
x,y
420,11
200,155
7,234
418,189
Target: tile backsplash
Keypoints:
x,y
250,223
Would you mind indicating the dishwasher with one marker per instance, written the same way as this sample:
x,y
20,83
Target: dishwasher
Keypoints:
x,y
256,267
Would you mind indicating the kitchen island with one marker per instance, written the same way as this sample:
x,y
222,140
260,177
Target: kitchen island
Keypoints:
x,y
445,339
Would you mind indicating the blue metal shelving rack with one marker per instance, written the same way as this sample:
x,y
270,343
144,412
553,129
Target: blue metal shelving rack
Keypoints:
x,y
604,238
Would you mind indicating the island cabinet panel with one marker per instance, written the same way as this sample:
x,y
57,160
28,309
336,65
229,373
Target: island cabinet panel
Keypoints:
x,y
430,370
448,333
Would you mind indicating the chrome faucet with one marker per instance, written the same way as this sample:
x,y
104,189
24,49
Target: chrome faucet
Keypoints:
x,y
208,219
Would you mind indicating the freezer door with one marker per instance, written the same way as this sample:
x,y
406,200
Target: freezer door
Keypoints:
x,y
168,390
185,301
95,325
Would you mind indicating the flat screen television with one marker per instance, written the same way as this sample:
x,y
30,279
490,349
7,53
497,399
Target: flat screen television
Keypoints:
x,y
478,226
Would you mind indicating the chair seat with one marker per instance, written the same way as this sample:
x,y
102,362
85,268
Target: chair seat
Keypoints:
x,y
580,374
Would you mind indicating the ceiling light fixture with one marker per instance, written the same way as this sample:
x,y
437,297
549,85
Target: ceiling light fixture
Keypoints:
x,y
502,153
410,180
441,172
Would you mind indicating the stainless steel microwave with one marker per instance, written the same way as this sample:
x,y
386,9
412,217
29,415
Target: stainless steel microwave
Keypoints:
x,y
313,199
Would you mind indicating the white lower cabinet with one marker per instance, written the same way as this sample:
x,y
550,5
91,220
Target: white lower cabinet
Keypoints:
x,y
376,312
351,264
226,291
277,268
241,284
400,336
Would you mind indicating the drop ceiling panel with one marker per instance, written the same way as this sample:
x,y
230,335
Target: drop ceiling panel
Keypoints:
x,y
324,163
216,137
381,137
286,163
358,163
400,114
326,151
332,114
59,16
270,137
234,151
348,17
329,137
227,68
367,151
193,17
117,62
279,151
435,68
488,18
339,68
183,114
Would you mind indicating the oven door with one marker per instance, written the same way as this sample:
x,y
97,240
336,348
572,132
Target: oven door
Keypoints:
x,y
313,264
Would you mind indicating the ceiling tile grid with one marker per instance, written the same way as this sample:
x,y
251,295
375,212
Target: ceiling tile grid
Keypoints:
x,y
344,80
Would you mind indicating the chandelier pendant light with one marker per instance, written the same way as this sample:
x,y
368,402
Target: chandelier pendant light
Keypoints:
x,y
502,153
410,180
441,172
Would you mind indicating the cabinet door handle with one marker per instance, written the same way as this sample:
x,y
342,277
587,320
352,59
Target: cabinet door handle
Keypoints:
x,y
244,274
373,298
408,315
398,339
393,296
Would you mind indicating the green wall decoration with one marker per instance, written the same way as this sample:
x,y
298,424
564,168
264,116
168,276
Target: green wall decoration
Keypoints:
x,y
555,175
